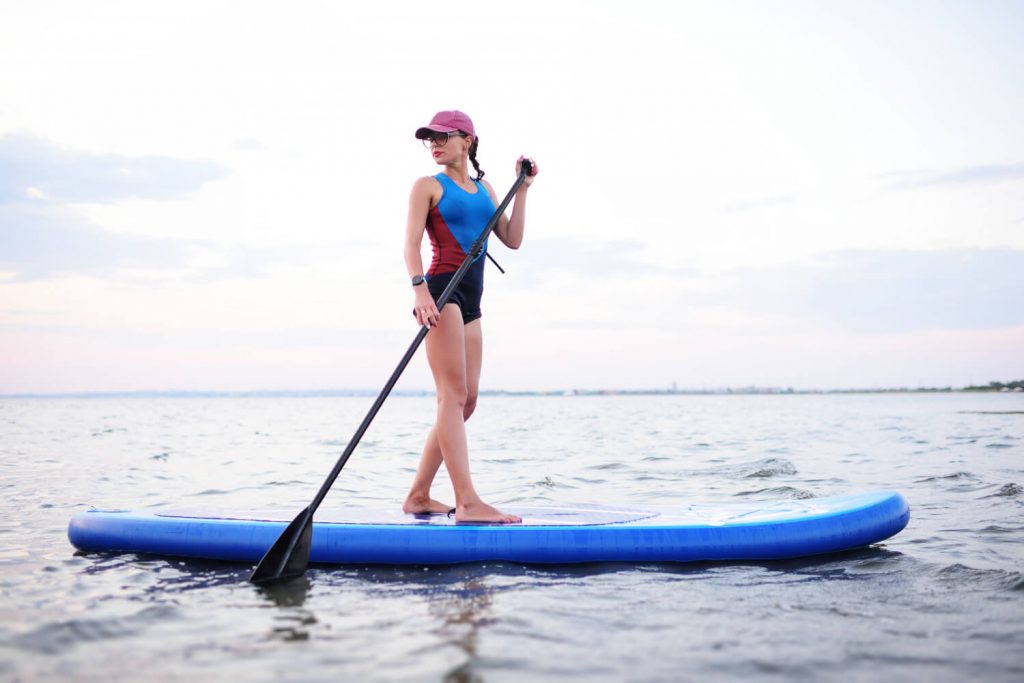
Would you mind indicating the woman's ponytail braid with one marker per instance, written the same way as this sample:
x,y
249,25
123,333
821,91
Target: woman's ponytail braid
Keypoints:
x,y
472,158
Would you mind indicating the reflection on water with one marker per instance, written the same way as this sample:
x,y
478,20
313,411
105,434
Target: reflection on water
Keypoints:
x,y
463,611
294,625
291,621
291,593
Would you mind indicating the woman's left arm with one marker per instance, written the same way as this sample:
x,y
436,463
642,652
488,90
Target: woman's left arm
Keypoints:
x,y
510,230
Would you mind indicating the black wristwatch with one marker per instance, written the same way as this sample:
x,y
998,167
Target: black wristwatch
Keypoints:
x,y
418,280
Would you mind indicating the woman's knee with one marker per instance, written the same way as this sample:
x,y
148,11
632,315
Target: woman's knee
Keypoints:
x,y
470,406
453,396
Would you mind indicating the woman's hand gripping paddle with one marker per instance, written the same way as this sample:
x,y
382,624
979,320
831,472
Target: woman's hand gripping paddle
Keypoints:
x,y
289,556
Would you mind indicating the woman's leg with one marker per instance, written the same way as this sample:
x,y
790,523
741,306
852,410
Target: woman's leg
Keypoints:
x,y
419,500
455,372
474,341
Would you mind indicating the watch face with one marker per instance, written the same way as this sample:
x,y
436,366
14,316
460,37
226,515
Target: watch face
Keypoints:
x,y
418,280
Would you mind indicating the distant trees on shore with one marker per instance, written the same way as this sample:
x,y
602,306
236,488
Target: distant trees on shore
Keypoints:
x,y
1017,385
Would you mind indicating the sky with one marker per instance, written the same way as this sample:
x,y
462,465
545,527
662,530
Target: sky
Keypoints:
x,y
211,196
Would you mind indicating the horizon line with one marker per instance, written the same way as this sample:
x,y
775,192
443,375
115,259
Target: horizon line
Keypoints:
x,y
1013,386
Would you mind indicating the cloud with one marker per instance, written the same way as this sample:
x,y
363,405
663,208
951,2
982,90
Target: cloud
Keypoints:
x,y
43,241
968,175
41,236
758,203
39,242
33,167
893,291
249,145
587,256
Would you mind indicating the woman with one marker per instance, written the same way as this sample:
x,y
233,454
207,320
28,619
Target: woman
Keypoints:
x,y
453,208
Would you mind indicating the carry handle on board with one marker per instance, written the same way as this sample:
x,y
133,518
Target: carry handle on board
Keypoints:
x,y
288,557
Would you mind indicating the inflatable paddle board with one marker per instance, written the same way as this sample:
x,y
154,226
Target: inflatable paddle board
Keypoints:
x,y
547,535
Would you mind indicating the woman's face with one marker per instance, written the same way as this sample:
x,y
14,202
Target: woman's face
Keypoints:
x,y
455,149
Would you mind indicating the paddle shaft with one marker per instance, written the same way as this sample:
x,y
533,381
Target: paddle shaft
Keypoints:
x,y
280,561
474,252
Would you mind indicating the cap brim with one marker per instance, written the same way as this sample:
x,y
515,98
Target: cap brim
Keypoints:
x,y
425,131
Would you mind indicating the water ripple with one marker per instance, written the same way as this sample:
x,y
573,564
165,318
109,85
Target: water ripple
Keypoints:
x,y
955,476
1010,490
759,469
783,492
999,579
56,637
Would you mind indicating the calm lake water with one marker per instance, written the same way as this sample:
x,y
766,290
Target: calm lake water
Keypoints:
x,y
942,601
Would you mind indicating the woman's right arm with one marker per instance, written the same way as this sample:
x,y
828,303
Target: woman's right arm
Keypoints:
x,y
419,206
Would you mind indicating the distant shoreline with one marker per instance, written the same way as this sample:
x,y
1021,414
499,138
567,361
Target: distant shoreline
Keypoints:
x,y
1013,387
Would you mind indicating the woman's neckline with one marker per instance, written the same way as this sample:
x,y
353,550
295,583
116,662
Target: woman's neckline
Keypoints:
x,y
476,188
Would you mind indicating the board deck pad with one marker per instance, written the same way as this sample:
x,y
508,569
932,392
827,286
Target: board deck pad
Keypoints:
x,y
747,530
577,515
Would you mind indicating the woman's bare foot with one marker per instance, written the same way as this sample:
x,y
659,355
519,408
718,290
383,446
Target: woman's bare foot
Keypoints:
x,y
424,505
482,512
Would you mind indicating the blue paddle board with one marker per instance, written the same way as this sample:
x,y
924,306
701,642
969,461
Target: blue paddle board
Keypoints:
x,y
547,534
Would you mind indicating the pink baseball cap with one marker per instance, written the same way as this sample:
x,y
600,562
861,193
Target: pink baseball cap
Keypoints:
x,y
447,122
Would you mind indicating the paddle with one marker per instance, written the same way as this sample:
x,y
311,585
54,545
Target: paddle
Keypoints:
x,y
289,555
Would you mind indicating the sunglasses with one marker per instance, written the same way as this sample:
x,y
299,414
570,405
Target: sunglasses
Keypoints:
x,y
441,139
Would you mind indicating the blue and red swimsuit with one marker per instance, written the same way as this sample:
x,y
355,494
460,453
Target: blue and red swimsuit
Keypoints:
x,y
453,225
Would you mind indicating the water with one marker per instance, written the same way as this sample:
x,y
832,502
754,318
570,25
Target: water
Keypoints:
x,y
942,601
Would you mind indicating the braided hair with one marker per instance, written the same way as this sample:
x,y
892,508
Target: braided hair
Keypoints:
x,y
472,158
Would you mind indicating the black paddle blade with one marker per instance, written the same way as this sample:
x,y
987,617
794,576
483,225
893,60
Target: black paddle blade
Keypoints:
x,y
289,556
